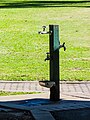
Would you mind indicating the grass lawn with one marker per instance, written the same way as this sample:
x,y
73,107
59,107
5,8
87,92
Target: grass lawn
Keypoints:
x,y
23,50
2,93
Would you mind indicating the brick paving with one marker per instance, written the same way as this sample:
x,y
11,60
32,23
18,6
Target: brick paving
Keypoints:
x,y
82,87
28,86
68,89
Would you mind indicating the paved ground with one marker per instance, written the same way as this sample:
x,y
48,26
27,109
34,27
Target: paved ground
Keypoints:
x,y
78,90
73,95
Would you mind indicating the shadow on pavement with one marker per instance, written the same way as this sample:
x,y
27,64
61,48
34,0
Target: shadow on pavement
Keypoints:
x,y
61,110
79,114
38,4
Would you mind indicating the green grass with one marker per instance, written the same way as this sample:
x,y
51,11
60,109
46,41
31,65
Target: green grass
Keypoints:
x,y
4,93
23,50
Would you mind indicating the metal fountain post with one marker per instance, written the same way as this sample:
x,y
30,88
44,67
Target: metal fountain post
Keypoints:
x,y
53,56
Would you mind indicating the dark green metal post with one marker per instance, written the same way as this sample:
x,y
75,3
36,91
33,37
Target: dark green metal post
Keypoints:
x,y
53,56
54,61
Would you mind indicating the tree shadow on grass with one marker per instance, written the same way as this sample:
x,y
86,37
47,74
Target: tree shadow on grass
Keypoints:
x,y
40,4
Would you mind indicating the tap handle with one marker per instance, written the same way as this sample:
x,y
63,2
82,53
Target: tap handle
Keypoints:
x,y
63,45
44,28
44,31
48,56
